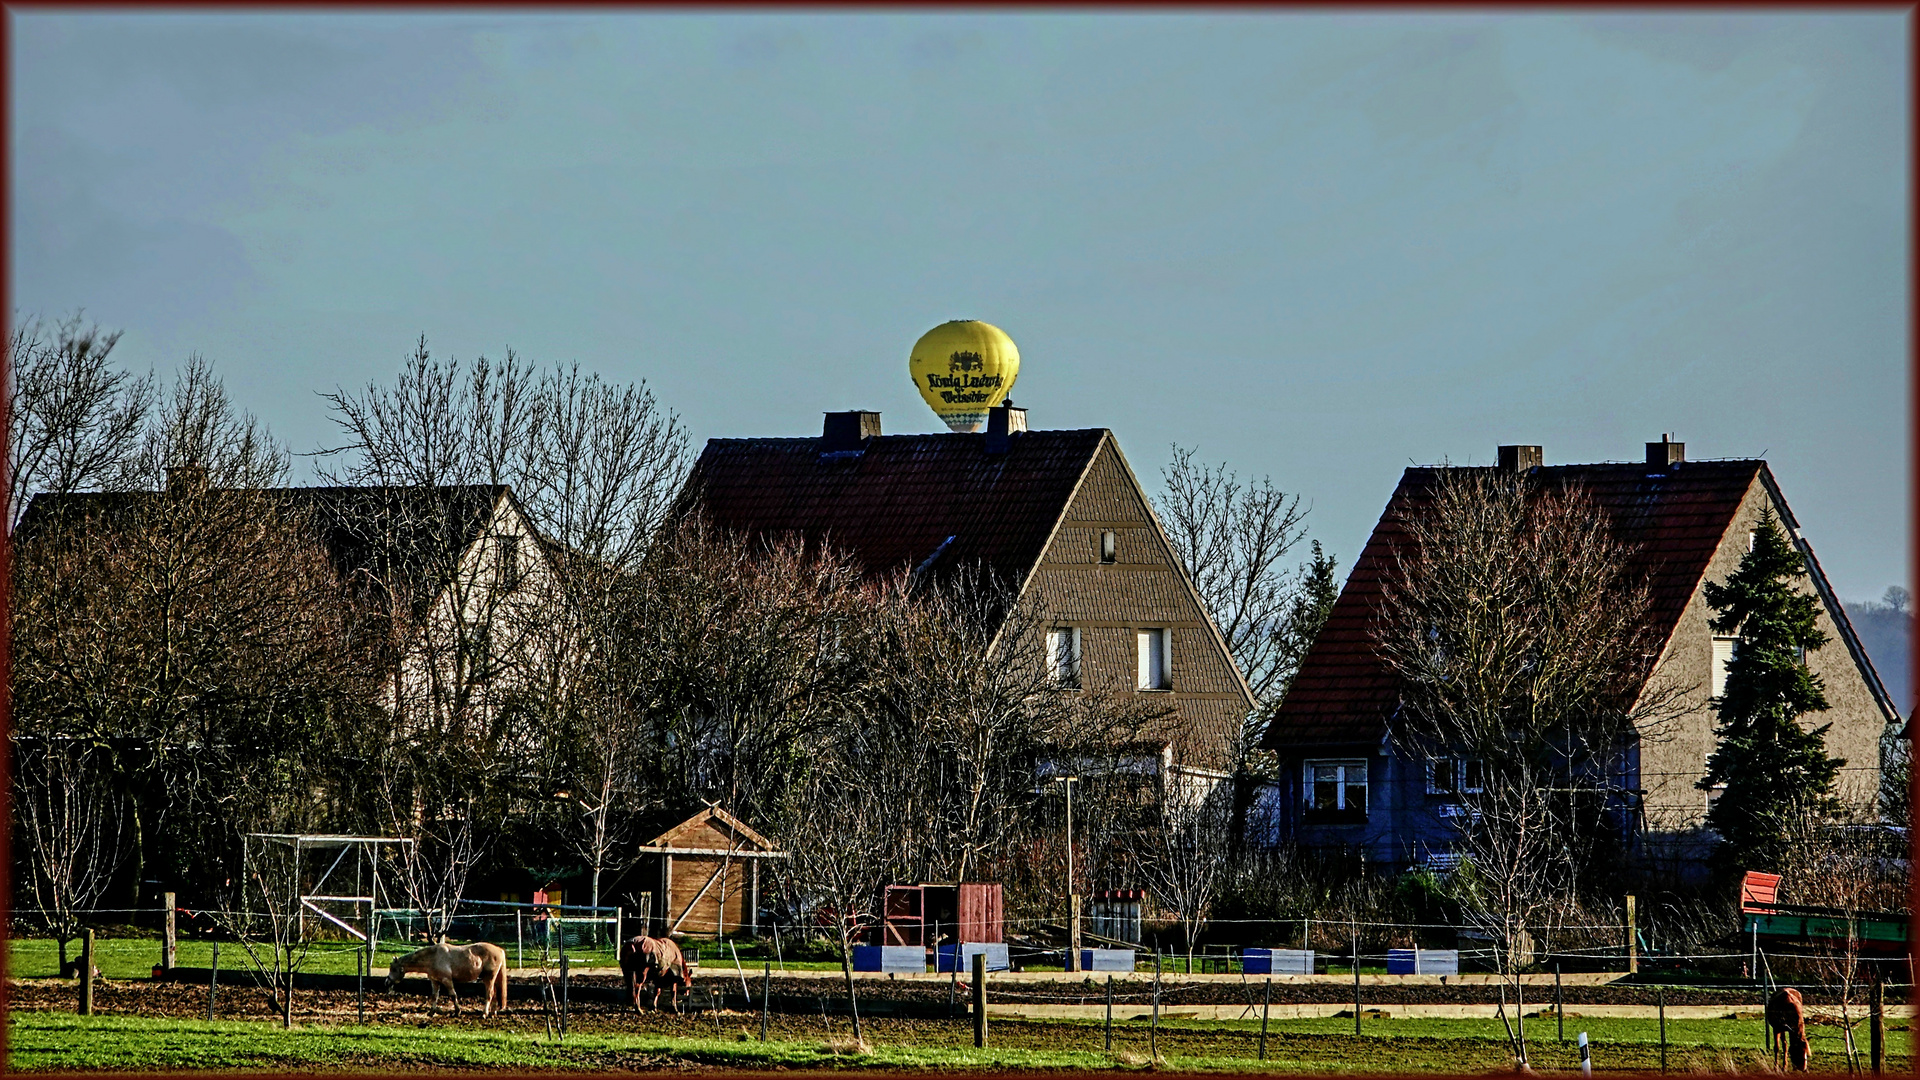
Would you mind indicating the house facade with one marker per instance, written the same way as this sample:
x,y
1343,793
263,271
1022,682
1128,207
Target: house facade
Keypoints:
x,y
1343,784
1058,514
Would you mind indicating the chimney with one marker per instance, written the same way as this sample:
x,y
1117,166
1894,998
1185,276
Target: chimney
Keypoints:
x,y
1665,454
1002,422
1518,458
848,432
186,479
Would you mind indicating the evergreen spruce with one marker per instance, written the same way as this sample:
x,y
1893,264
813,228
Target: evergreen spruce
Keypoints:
x,y
1772,767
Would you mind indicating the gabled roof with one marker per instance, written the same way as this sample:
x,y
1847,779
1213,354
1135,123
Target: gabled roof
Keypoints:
x,y
1675,521
904,498
697,834
411,536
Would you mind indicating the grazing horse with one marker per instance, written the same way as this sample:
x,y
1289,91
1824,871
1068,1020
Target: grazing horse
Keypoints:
x,y
1787,1028
655,962
445,964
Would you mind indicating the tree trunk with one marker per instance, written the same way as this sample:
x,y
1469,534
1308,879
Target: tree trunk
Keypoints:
x,y
846,968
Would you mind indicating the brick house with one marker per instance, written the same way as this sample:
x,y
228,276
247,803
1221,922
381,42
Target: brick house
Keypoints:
x,y
1057,513
1689,523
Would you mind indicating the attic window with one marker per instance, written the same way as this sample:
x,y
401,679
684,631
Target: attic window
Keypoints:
x,y
507,548
1724,650
1107,546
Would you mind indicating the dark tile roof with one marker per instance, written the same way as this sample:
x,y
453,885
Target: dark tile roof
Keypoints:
x,y
1675,520
414,535
903,499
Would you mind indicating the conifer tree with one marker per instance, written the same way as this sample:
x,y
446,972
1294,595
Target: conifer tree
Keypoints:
x,y
1771,765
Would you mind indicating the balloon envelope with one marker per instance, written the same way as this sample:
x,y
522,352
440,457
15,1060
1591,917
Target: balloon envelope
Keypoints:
x,y
963,368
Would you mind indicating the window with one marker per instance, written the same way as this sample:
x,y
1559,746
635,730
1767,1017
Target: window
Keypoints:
x,y
1153,660
507,547
1336,791
1108,546
1063,656
1724,650
1455,776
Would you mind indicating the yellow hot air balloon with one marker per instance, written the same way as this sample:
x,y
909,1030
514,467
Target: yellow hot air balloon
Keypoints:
x,y
963,368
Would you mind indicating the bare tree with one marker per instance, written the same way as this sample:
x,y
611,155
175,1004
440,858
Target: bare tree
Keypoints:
x,y
1233,536
74,422
196,634
1188,857
1523,645
69,823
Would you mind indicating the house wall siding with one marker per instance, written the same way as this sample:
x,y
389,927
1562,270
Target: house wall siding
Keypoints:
x,y
1673,759
1143,588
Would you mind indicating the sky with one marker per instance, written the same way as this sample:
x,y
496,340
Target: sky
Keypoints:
x,y
1318,247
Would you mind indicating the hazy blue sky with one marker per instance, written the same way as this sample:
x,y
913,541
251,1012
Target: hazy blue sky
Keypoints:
x,y
1318,246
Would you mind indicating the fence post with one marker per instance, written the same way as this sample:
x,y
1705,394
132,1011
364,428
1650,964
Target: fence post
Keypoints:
x,y
169,945
1153,1033
1266,1007
1109,1014
86,972
563,985
1559,1007
213,978
979,996
1586,1058
1877,1028
1633,938
1354,929
286,1015
766,999
1660,1003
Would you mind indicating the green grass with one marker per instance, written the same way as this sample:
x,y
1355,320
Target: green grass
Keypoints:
x,y
59,1041
131,958
62,1041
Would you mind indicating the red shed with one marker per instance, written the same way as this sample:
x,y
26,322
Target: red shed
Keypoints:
x,y
930,914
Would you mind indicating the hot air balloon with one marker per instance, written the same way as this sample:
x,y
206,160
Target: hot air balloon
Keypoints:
x,y
963,368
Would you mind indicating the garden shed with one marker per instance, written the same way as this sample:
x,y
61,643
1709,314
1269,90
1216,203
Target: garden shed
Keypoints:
x,y
705,876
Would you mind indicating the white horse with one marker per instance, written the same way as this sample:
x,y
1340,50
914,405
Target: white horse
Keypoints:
x,y
444,965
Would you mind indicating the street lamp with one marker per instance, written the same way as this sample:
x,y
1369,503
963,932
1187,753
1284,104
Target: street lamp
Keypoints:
x,y
1073,898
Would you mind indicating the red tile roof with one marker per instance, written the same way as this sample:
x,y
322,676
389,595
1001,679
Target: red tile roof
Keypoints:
x,y
1675,519
897,502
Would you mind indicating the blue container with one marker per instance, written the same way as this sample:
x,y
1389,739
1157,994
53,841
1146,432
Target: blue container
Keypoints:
x,y
995,951
1423,961
896,958
1106,959
1277,962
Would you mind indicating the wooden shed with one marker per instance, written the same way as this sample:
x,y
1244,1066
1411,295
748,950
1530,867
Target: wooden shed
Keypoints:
x,y
706,881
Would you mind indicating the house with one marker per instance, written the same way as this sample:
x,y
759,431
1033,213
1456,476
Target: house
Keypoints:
x,y
1342,783
1059,514
705,876
445,582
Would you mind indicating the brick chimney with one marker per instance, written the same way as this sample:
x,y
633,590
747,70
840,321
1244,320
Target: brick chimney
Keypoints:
x,y
1517,458
186,479
1004,421
848,432
1665,454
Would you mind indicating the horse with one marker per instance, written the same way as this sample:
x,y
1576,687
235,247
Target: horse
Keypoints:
x,y
656,962
1787,1028
444,965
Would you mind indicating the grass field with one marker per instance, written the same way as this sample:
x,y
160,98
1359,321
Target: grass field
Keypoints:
x,y
52,1040
130,958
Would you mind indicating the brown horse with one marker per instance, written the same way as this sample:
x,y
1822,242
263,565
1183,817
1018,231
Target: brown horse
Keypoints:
x,y
1787,1028
445,964
656,962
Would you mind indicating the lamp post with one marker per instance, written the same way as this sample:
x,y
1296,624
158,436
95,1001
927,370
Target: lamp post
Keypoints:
x,y
1073,898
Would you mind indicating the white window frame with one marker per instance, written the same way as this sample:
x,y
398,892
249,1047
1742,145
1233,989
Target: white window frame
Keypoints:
x,y
1154,668
1109,546
1341,782
1063,657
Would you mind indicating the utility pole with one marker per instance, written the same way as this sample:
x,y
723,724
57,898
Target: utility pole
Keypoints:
x,y
1073,898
